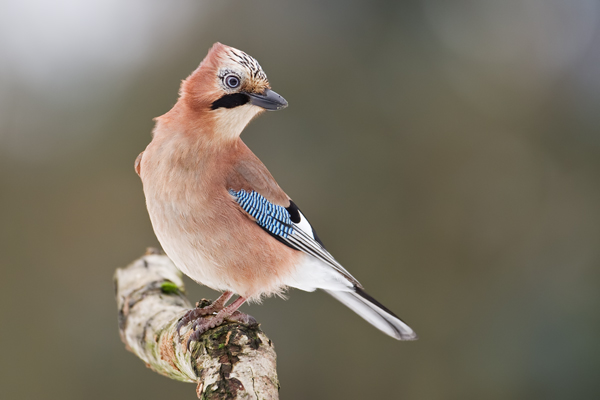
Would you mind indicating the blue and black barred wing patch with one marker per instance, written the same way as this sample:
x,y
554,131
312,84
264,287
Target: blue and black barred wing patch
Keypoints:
x,y
273,218
293,229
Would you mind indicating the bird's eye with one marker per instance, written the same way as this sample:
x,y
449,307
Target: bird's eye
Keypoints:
x,y
232,81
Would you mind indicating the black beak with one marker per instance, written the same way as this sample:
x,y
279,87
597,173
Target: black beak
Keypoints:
x,y
269,100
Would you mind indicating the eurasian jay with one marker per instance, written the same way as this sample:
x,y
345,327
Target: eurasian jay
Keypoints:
x,y
219,214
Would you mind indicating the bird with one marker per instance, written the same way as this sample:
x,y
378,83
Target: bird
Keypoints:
x,y
219,214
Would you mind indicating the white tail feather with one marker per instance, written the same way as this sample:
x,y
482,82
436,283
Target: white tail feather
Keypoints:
x,y
375,313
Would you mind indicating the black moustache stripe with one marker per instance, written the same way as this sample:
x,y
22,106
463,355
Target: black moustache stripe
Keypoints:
x,y
230,101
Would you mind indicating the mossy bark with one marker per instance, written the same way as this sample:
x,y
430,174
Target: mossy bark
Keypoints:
x,y
231,361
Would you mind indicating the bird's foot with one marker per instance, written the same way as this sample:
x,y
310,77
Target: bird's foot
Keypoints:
x,y
201,325
242,318
203,308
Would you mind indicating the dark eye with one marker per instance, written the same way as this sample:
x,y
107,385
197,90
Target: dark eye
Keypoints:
x,y
232,81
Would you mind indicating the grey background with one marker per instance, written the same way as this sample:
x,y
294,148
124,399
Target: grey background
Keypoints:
x,y
446,152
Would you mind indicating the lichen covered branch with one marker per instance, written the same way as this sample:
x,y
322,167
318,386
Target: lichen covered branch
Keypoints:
x,y
232,361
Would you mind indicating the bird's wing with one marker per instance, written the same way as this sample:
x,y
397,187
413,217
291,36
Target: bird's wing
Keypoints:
x,y
137,165
289,226
258,194
250,174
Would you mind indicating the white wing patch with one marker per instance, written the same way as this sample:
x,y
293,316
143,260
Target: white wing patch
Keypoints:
x,y
305,226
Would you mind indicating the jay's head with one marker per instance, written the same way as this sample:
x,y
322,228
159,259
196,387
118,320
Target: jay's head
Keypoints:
x,y
229,88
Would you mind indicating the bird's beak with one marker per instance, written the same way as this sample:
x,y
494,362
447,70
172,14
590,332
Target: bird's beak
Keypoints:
x,y
269,100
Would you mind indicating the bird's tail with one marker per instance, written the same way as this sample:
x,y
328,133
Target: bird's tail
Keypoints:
x,y
375,313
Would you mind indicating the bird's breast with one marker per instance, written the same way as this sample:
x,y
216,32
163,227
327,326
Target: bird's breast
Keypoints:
x,y
203,230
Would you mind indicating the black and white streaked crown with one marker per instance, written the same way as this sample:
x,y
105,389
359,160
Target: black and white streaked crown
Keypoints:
x,y
249,62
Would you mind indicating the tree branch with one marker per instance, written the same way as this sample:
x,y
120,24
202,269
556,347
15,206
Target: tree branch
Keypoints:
x,y
231,361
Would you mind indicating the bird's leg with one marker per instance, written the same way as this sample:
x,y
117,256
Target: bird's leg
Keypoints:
x,y
229,313
217,305
198,312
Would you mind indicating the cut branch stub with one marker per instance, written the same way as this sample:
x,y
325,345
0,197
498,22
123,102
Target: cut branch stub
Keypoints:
x,y
231,361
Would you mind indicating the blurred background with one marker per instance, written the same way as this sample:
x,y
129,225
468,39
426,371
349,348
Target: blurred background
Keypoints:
x,y
448,154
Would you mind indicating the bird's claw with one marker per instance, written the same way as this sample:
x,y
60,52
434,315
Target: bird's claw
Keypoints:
x,y
203,324
200,326
242,318
194,314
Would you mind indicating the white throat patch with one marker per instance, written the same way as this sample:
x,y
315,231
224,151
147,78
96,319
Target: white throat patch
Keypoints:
x,y
230,122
